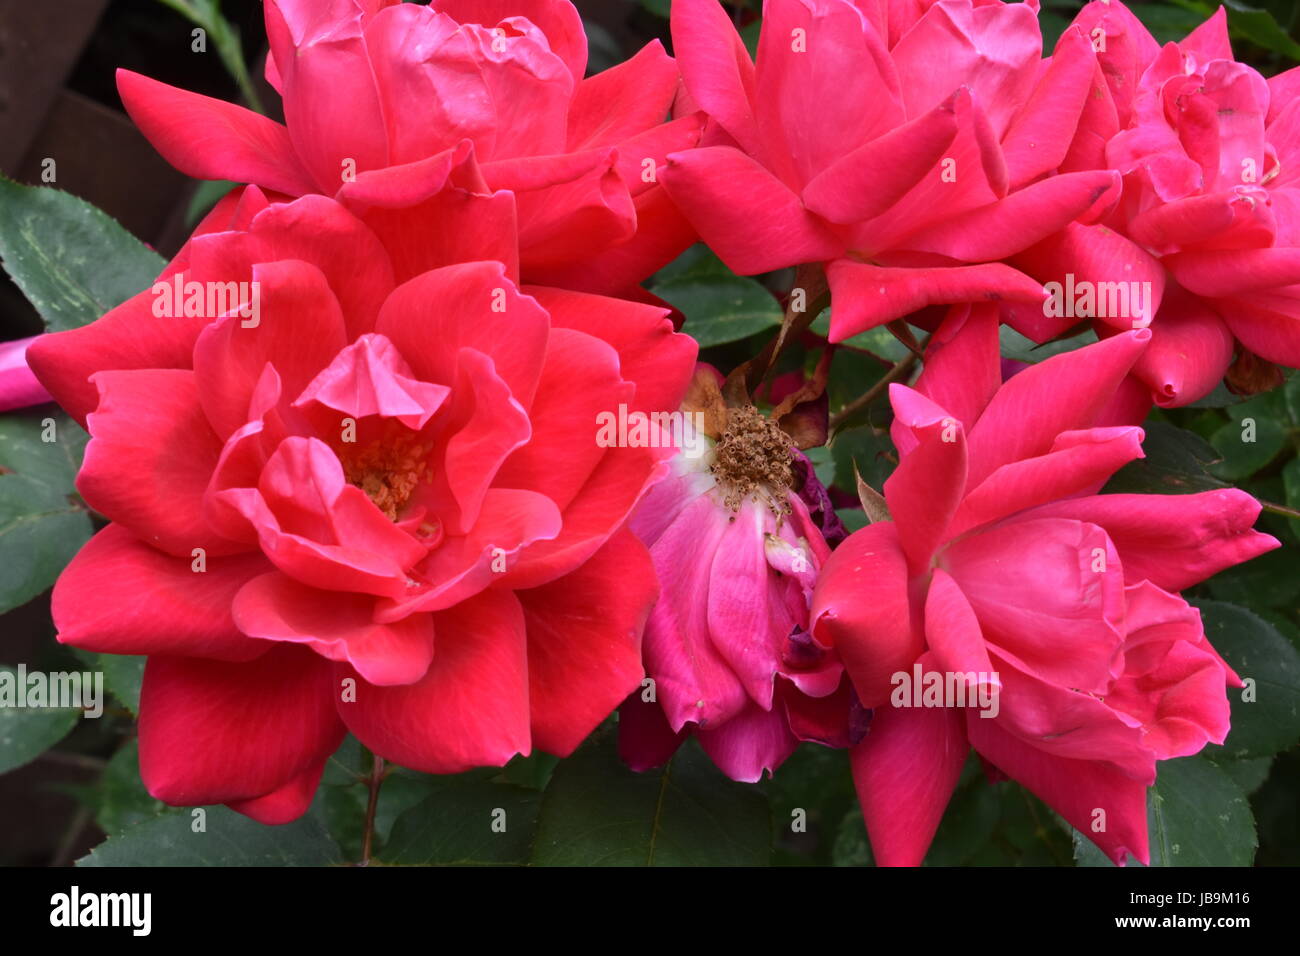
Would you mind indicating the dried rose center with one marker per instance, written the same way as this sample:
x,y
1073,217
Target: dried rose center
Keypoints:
x,y
389,470
752,460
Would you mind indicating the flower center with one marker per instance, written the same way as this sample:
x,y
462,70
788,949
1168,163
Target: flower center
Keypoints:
x,y
389,470
752,460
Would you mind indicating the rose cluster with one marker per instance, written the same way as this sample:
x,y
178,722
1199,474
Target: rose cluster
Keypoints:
x,y
365,492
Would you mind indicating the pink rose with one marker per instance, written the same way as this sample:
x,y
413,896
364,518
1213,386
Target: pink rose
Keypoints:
x,y
1054,607
18,386
383,100
347,503
1210,215
727,645
912,146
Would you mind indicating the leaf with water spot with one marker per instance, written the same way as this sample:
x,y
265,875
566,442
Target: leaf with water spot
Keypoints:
x,y
70,259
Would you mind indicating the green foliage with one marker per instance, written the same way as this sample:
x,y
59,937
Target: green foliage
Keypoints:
x,y
596,812
122,800
42,520
1196,816
1176,463
71,260
465,820
226,839
1265,717
27,732
721,309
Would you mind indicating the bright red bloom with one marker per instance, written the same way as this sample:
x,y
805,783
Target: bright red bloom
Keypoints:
x,y
911,145
1002,561
1210,152
369,505
384,100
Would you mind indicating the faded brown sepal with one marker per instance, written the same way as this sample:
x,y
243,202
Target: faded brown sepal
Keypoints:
x,y
746,377
704,395
1249,375
804,414
873,502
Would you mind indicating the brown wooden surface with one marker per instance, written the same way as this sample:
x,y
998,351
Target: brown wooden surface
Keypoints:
x,y
40,43
102,157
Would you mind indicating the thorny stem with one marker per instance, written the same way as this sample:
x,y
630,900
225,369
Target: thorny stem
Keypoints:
x,y
376,778
900,370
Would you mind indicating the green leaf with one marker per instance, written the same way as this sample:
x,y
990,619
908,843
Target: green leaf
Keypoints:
x,y
697,261
1219,397
341,810
71,260
879,341
533,771
1175,464
823,464
465,820
809,795
42,523
852,845
1259,27
207,195
1015,346
869,450
27,732
1248,774
854,519
1168,24
1246,447
1255,650
1196,816
996,824
969,822
721,309
1052,25
123,675
596,812
852,373
344,794
1291,397
123,800
228,839
1267,581
750,34
1291,483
